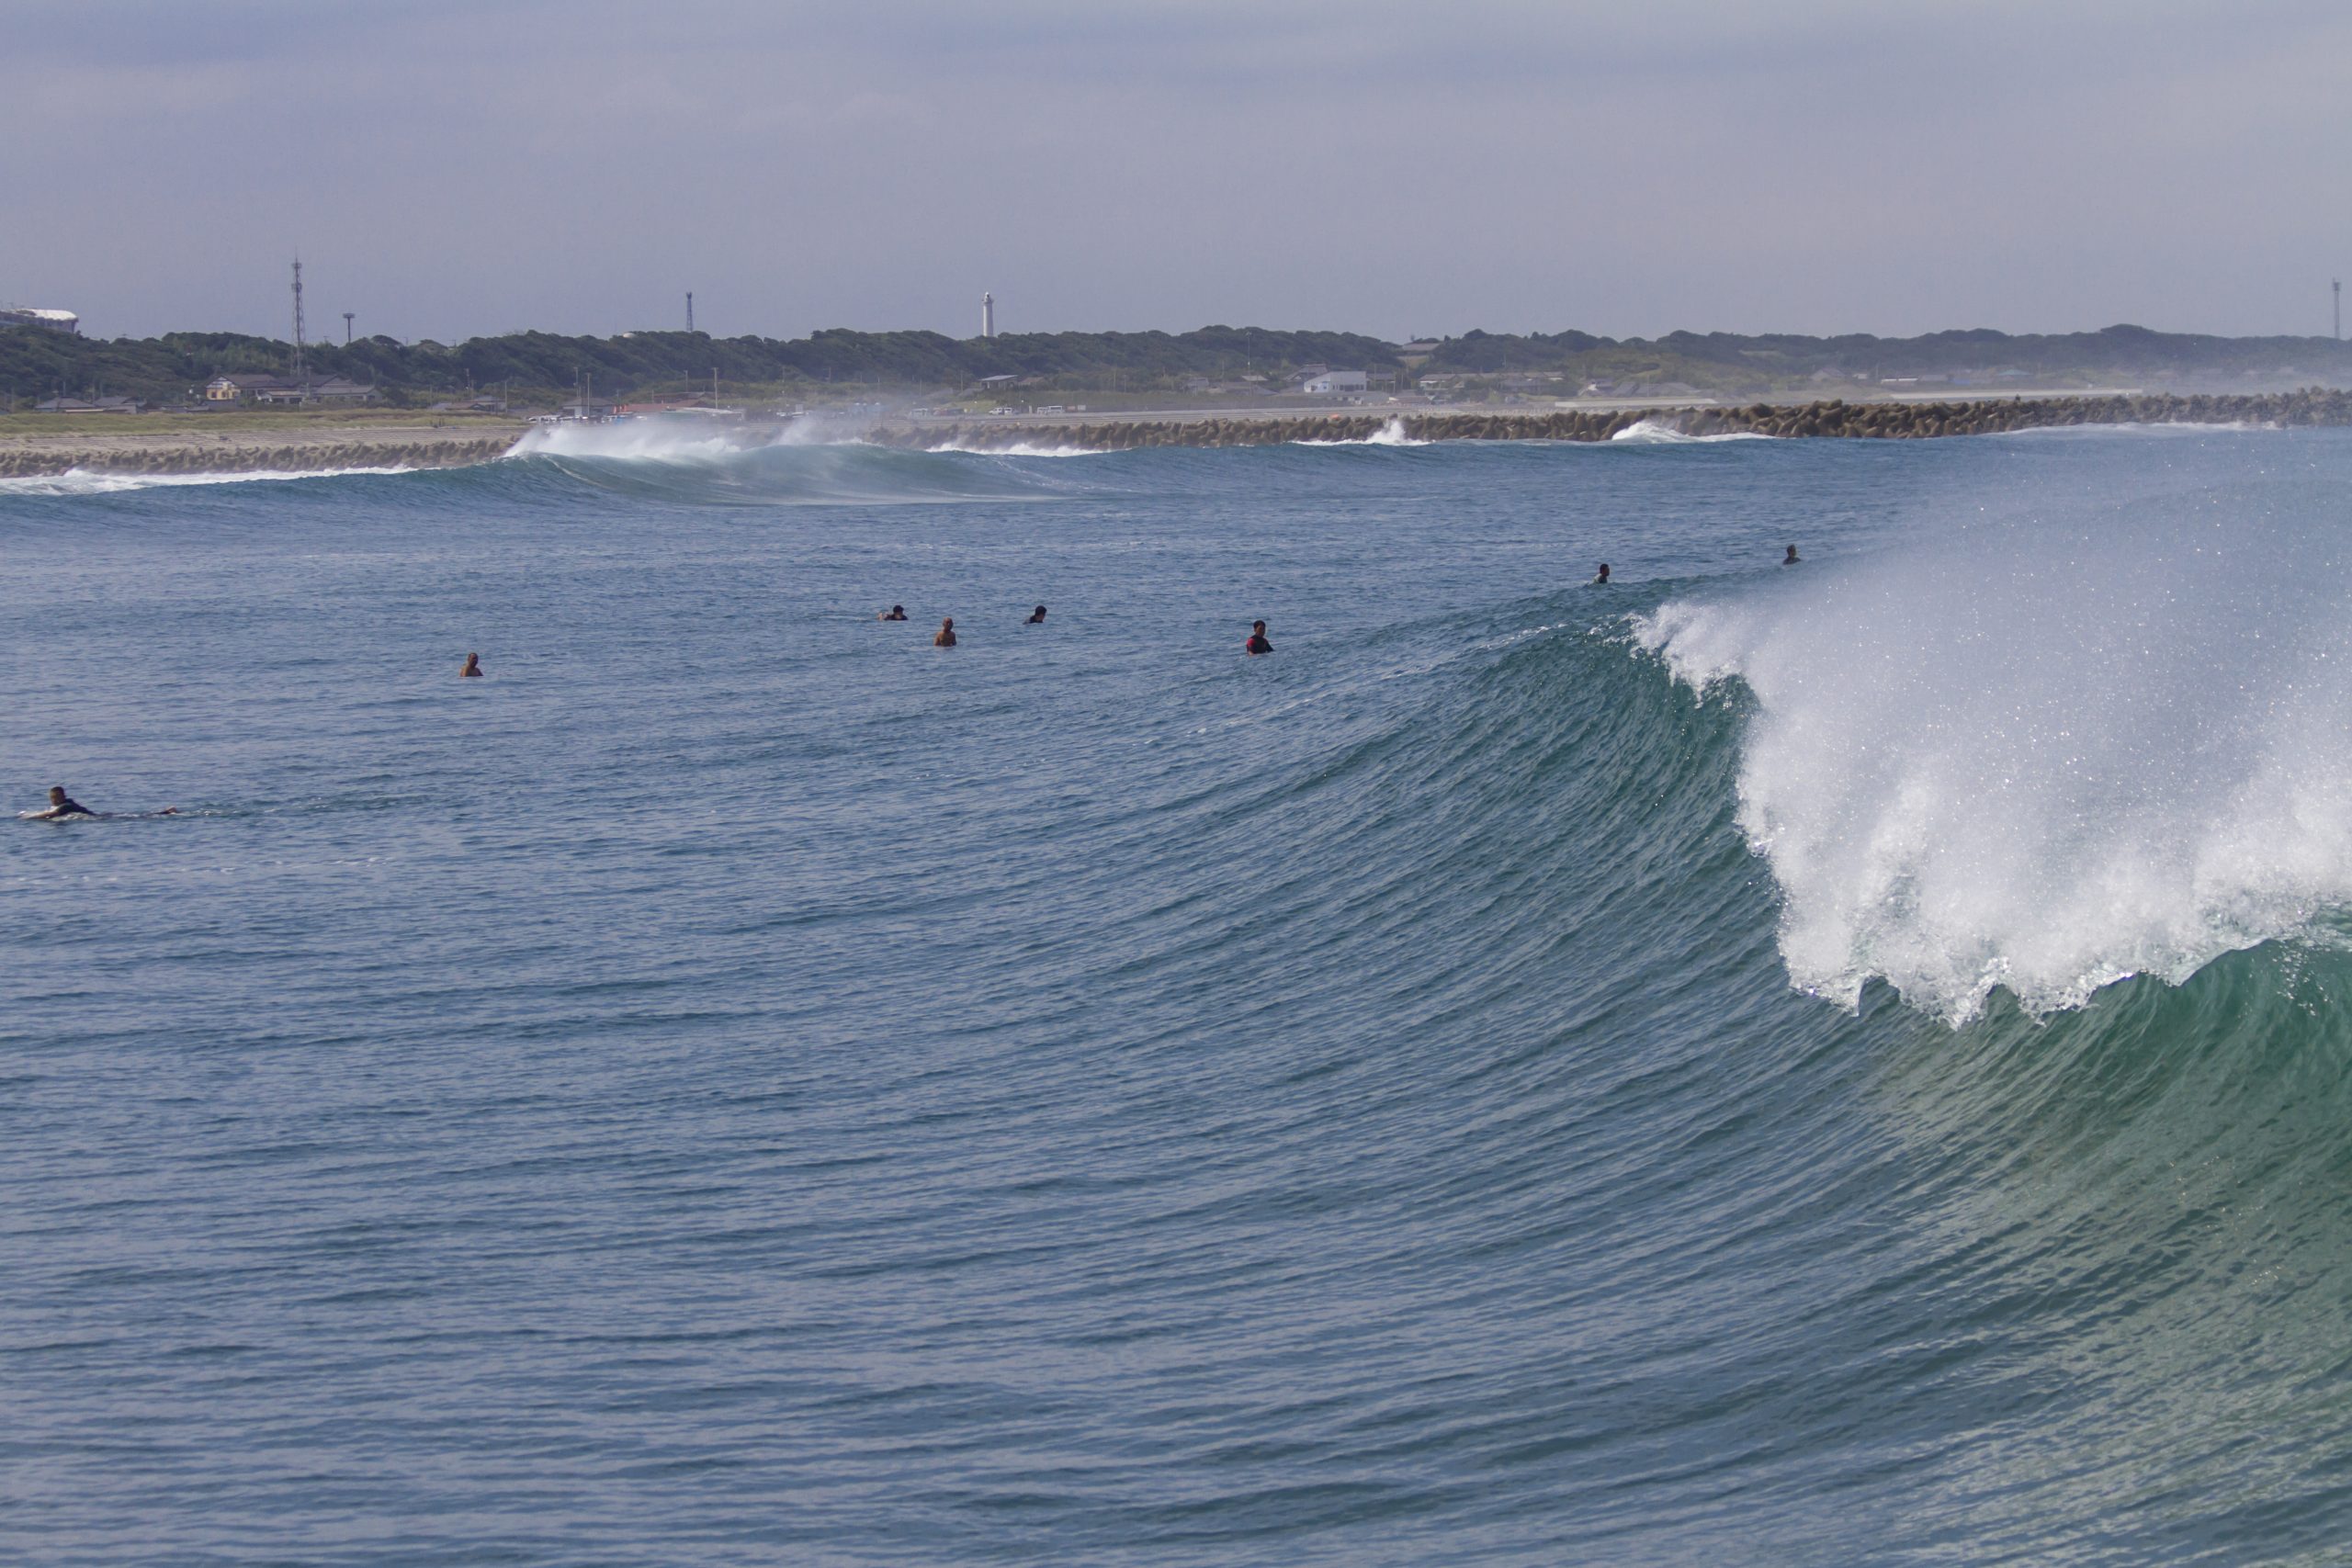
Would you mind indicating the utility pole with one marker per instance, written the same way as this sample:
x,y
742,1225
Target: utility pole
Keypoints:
x,y
346,327
690,310
301,377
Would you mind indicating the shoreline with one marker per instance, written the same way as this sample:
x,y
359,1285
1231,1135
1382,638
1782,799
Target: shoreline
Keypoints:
x,y
324,449
1833,420
292,448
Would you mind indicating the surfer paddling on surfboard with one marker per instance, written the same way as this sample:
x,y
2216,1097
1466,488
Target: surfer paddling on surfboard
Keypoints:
x,y
62,807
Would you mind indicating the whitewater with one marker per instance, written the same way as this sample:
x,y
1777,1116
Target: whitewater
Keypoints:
x,y
1849,1063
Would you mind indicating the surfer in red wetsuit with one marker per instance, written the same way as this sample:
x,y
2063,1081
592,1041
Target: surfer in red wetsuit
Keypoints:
x,y
1257,643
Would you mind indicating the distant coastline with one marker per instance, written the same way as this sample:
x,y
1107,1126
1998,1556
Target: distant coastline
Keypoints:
x,y
1834,419
260,444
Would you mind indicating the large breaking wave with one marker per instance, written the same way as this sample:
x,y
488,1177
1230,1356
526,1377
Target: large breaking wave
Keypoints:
x,y
2044,757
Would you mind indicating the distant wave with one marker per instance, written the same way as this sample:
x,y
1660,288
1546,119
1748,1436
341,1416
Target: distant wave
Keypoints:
x,y
1656,433
2043,758
1020,449
2078,431
99,481
1392,433
806,466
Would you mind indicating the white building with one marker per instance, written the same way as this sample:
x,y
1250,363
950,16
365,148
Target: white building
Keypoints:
x,y
1334,381
55,321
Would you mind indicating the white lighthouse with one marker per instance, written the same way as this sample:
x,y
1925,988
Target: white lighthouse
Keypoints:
x,y
987,315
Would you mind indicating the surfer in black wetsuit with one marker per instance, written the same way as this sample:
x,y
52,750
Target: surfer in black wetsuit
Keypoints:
x,y
1257,643
1791,558
1037,618
895,613
61,805
1600,578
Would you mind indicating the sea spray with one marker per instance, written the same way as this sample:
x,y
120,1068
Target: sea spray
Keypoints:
x,y
2043,758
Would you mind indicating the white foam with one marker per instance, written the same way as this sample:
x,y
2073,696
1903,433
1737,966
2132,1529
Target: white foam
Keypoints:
x,y
100,482
1020,449
1658,433
659,440
2047,759
1392,433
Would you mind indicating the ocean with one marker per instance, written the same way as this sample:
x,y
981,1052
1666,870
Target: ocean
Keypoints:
x,y
1843,1063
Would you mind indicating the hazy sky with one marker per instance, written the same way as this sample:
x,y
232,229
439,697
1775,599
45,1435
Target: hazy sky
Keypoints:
x,y
452,168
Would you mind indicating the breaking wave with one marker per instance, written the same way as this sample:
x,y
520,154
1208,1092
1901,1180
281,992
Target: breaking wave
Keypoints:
x,y
2043,758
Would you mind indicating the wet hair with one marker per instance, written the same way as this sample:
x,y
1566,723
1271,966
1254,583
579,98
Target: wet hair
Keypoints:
x,y
1038,611
1257,625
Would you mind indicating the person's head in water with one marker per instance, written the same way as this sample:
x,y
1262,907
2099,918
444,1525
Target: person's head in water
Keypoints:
x,y
895,613
473,665
1791,558
1258,642
57,795
947,638
1037,615
1602,575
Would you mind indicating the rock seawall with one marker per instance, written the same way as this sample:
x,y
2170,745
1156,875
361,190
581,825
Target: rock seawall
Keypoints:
x,y
1837,418
259,455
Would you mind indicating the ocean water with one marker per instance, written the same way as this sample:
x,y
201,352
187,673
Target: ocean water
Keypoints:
x,y
1850,1064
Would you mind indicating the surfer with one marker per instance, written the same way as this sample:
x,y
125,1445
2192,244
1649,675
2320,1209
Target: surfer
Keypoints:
x,y
1791,558
1037,618
1257,643
61,805
473,665
947,638
895,613
1600,578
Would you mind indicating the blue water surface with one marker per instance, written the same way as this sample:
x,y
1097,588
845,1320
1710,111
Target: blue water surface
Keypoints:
x,y
740,1085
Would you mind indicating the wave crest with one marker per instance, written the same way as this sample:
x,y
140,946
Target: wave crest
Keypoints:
x,y
2043,759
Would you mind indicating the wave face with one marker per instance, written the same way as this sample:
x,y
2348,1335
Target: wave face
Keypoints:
x,y
2046,757
1526,1073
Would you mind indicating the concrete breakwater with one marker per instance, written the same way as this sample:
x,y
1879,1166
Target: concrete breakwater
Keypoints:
x,y
120,454
1883,421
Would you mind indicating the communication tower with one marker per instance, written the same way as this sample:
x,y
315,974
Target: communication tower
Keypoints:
x,y
690,310
987,315
299,377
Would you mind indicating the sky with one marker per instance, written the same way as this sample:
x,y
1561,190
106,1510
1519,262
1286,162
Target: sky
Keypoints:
x,y
447,169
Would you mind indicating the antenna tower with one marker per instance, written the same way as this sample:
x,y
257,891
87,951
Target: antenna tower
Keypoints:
x,y
298,371
690,310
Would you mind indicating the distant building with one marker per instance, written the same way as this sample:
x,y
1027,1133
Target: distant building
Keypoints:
x,y
254,387
89,405
238,386
1333,382
54,321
